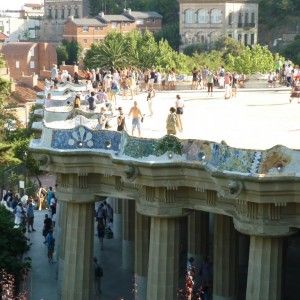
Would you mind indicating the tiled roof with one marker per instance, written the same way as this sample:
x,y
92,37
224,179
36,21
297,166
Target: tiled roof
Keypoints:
x,y
17,50
87,22
143,14
3,36
114,18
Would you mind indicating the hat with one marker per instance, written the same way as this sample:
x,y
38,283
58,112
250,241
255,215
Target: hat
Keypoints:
x,y
120,108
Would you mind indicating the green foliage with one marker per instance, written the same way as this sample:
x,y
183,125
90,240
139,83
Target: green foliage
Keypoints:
x,y
13,245
170,32
62,54
195,48
74,50
292,50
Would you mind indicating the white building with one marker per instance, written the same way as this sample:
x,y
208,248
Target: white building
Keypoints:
x,y
205,21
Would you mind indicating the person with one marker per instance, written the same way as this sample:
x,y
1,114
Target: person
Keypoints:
x,y
47,227
54,73
50,245
136,115
30,217
195,79
101,232
172,122
50,195
150,97
92,102
179,103
210,83
102,119
77,101
121,121
98,273
228,82
205,271
76,78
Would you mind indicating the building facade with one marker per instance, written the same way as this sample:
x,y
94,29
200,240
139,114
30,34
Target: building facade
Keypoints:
x,y
205,21
57,13
28,58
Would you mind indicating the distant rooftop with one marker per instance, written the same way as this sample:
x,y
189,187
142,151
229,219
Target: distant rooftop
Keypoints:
x,y
87,22
142,14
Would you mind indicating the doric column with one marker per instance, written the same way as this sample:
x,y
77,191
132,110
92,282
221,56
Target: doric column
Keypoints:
x,y
78,251
198,238
265,268
128,234
117,207
225,260
142,231
60,229
163,267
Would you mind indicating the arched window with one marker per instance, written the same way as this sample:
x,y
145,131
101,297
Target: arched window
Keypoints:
x,y
201,38
189,16
188,37
216,16
62,12
203,16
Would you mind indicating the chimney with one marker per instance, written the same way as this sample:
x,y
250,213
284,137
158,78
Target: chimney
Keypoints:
x,y
71,18
101,14
129,11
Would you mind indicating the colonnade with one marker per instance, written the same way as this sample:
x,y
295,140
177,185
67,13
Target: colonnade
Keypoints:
x,y
150,248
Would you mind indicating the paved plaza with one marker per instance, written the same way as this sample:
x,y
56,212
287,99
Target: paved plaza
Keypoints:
x,y
255,119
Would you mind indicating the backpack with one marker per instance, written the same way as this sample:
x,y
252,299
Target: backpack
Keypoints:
x,y
98,271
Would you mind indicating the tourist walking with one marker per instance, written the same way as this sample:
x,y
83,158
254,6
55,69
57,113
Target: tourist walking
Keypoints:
x,y
121,123
150,97
98,273
50,245
136,118
179,104
30,217
172,122
210,84
101,232
47,227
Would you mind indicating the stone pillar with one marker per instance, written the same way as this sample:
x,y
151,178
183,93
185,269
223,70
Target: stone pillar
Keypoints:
x,y
244,243
78,251
117,207
128,235
198,239
163,269
60,228
265,268
142,231
225,260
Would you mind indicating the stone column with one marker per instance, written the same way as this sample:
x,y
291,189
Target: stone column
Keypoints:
x,y
78,251
60,228
225,260
117,207
128,235
163,269
142,231
198,239
265,268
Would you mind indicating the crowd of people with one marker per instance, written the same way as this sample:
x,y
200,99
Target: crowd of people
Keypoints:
x,y
23,211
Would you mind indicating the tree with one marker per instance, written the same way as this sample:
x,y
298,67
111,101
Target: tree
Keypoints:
x,y
170,32
292,50
62,54
114,52
74,50
13,245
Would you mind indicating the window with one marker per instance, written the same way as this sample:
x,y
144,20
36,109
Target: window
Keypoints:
x,y
50,13
31,52
85,29
100,28
202,16
113,24
31,64
230,35
128,24
96,41
189,16
246,39
246,18
239,37
63,12
56,13
85,41
230,19
216,16
96,28
253,18
153,20
17,64
122,24
69,11
252,38
76,12
148,20
240,20
139,21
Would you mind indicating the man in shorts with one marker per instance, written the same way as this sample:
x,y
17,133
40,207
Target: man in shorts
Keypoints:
x,y
136,118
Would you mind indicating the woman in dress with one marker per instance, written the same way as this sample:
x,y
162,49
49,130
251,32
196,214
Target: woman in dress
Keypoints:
x,y
179,104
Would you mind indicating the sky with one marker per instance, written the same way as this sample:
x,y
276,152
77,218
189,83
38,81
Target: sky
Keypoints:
x,y
16,4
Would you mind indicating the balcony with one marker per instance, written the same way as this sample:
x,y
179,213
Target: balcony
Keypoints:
x,y
246,25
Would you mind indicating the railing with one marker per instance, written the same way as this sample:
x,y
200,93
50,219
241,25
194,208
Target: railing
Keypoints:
x,y
246,25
